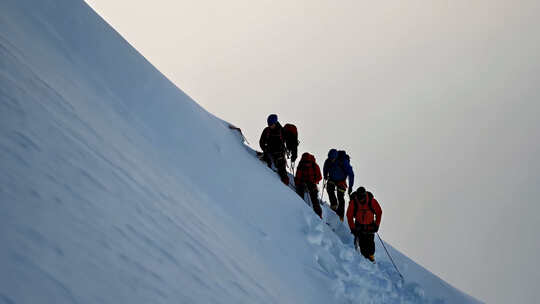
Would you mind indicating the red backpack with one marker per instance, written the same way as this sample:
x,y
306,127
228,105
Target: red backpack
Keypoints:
x,y
308,169
290,135
369,199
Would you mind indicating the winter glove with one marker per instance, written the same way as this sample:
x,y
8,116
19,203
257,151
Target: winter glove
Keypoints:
x,y
349,190
374,228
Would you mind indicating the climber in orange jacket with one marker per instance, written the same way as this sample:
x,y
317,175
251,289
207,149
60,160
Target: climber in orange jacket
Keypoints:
x,y
364,216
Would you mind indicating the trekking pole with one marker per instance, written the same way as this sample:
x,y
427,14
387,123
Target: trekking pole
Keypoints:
x,y
384,246
322,194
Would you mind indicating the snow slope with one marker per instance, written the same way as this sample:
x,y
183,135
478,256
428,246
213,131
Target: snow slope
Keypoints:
x,y
116,187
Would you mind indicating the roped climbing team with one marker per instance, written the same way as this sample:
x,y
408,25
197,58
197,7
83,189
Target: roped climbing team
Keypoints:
x,y
363,213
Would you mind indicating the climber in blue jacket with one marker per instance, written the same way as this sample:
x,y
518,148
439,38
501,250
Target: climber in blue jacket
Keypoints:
x,y
336,170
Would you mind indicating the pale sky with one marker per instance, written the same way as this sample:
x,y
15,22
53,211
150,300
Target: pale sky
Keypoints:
x,y
435,101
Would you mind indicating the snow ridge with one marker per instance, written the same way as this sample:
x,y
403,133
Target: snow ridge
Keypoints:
x,y
116,187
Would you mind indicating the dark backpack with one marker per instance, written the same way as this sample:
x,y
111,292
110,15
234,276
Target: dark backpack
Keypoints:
x,y
342,156
290,135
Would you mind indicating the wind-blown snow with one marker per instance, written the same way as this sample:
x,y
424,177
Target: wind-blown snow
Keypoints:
x,y
116,187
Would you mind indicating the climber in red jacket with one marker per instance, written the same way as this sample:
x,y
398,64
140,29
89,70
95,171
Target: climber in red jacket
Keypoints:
x,y
308,175
364,216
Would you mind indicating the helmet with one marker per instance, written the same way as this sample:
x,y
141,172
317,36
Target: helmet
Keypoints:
x,y
272,119
332,154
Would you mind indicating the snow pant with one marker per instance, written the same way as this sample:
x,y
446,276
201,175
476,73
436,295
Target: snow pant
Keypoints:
x,y
331,189
366,243
313,194
279,162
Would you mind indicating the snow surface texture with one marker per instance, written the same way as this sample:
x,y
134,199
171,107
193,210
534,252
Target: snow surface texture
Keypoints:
x,y
117,188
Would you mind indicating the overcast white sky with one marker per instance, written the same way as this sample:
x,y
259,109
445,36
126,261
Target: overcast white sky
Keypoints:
x,y
435,101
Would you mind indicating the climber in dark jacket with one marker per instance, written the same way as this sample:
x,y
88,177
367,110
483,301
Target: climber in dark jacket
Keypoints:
x,y
273,145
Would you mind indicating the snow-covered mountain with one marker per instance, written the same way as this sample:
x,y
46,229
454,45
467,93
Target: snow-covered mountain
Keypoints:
x,y
116,187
